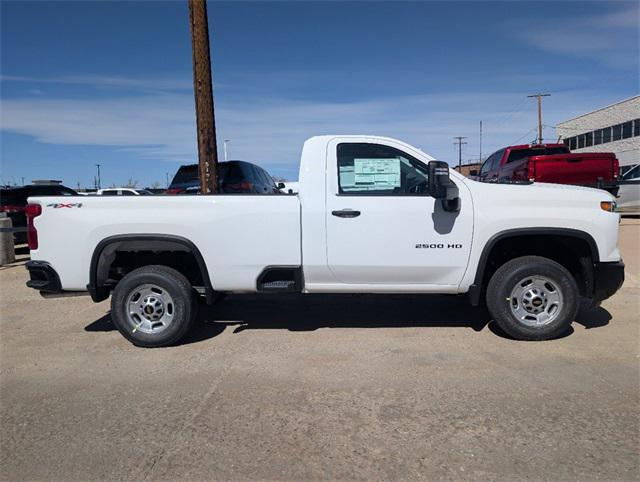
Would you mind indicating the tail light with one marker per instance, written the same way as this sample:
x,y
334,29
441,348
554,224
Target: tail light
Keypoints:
x,y
32,211
246,186
531,171
616,168
10,208
173,191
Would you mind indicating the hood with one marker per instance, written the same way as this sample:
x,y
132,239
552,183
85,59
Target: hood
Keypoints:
x,y
538,191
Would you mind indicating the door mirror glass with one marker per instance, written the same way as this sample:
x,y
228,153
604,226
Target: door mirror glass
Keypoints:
x,y
281,185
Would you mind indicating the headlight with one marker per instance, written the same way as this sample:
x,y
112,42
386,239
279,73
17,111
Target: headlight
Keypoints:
x,y
608,206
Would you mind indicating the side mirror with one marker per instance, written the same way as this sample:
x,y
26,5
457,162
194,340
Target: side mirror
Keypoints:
x,y
442,187
280,185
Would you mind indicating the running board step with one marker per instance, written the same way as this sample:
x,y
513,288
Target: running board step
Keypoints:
x,y
278,285
283,279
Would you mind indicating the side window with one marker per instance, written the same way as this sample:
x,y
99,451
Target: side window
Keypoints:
x,y
264,179
376,169
126,192
493,163
486,167
110,192
499,155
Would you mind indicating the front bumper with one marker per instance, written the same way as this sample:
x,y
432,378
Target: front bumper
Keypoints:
x,y
607,279
43,277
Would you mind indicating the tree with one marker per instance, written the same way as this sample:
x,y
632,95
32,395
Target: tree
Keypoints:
x,y
155,185
131,183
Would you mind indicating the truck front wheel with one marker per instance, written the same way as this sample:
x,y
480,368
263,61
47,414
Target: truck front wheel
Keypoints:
x,y
153,306
533,298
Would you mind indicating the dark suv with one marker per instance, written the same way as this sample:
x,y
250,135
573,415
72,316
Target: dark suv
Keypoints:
x,y
13,200
233,177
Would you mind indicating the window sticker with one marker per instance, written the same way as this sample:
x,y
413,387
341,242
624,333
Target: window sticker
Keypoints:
x,y
347,177
373,174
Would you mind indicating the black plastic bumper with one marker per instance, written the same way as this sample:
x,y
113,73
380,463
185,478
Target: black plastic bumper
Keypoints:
x,y
607,279
43,277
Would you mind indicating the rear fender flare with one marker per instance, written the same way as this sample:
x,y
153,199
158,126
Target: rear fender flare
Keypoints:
x,y
104,253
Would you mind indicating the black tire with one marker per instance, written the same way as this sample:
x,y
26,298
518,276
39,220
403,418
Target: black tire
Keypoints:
x,y
502,307
180,303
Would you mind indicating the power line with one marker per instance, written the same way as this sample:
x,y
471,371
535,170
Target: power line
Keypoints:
x,y
522,137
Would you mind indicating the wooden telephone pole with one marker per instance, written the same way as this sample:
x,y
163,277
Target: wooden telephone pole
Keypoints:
x,y
459,143
205,119
539,97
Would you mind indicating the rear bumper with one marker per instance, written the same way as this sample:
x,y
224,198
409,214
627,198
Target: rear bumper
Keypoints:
x,y
607,279
43,277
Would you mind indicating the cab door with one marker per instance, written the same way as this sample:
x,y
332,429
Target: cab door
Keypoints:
x,y
382,225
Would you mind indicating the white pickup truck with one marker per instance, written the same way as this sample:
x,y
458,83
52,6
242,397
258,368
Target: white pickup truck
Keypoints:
x,y
373,215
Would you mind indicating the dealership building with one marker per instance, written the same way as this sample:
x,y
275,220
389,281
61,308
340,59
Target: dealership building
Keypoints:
x,y
615,128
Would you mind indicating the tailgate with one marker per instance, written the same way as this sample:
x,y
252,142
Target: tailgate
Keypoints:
x,y
575,168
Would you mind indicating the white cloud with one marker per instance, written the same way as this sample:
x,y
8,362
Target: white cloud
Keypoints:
x,y
610,38
150,84
271,131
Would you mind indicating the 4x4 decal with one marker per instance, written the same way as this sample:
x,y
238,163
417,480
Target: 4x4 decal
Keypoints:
x,y
64,205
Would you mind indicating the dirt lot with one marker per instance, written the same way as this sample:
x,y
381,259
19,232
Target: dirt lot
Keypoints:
x,y
319,387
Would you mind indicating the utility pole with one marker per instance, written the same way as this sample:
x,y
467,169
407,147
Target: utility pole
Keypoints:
x,y
98,185
22,180
166,175
205,120
460,144
480,158
225,148
539,97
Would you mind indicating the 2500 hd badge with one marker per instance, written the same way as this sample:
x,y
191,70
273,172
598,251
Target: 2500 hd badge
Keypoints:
x,y
438,246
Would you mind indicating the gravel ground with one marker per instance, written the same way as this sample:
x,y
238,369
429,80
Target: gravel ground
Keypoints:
x,y
319,387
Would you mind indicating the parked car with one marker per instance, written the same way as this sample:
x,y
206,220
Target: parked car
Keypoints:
x,y
373,215
13,201
629,193
552,163
123,191
233,177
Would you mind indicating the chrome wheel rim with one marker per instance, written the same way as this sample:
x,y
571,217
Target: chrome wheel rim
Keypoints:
x,y
150,309
536,301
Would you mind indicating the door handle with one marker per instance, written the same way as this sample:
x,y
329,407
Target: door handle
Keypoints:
x,y
346,213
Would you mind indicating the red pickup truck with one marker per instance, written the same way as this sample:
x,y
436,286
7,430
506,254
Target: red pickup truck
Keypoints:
x,y
553,163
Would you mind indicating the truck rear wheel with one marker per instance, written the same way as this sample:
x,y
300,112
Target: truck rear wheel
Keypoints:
x,y
153,306
533,298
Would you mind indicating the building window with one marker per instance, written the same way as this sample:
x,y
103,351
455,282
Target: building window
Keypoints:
x,y
588,139
572,143
617,132
627,129
581,141
606,135
597,137
636,127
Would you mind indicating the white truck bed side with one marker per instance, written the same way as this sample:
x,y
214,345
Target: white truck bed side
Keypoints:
x,y
238,236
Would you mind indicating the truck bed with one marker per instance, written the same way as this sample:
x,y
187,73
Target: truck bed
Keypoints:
x,y
238,235
581,169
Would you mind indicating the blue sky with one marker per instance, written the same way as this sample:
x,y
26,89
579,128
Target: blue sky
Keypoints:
x,y
110,82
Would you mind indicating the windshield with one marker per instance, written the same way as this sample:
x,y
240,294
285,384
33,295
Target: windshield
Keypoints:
x,y
632,173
